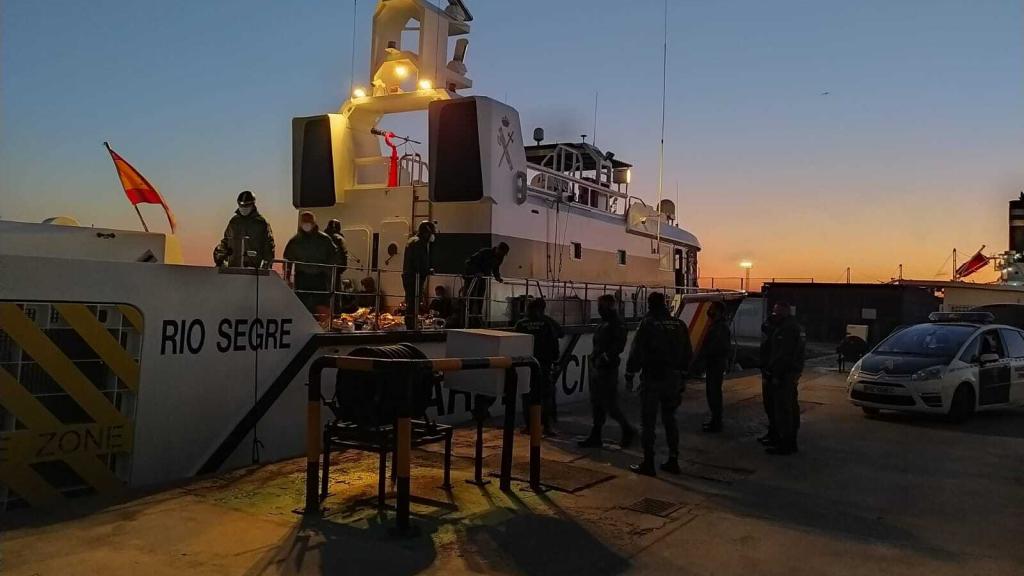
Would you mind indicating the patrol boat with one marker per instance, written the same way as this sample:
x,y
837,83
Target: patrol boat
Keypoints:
x,y
120,366
564,208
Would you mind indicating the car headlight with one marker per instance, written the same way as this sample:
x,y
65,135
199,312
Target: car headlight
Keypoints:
x,y
854,373
930,373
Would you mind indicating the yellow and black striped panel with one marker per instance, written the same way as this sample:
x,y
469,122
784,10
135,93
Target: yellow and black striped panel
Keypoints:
x,y
698,325
69,379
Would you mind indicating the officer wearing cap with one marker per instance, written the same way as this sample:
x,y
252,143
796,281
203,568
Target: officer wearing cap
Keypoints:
x,y
248,240
661,353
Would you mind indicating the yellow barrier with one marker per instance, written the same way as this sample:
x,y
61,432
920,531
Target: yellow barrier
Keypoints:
x,y
69,374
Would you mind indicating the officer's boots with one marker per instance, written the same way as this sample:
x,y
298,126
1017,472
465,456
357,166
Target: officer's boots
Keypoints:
x,y
671,466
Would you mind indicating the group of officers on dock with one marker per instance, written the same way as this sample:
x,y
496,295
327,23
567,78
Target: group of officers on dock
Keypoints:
x,y
661,353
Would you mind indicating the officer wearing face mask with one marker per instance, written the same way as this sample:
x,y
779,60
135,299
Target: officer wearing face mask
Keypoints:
x,y
304,251
416,269
248,240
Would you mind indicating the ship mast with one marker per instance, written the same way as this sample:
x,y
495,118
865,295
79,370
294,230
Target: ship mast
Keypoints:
x,y
661,150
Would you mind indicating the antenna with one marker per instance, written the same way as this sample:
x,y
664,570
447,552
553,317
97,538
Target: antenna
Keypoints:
x,y
352,63
661,151
595,117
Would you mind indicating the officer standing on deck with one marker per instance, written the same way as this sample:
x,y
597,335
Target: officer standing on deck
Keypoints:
x,y
714,356
661,353
546,333
609,342
415,270
333,230
785,365
248,240
304,251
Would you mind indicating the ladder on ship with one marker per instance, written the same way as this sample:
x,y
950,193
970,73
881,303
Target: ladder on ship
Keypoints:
x,y
422,207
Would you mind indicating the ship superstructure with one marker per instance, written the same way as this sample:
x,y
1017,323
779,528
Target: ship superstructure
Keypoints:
x,y
564,208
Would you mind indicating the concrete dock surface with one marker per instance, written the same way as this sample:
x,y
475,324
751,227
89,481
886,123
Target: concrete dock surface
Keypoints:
x,y
895,494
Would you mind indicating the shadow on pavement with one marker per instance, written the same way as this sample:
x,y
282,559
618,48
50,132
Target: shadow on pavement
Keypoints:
x,y
786,505
322,547
1005,423
538,545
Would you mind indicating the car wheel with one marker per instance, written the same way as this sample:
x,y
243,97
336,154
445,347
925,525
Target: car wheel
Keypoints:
x,y
870,411
963,404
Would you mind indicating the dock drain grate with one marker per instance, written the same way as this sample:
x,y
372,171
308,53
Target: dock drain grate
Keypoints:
x,y
654,506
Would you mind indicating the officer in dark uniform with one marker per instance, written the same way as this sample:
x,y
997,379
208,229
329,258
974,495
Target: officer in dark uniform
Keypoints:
x,y
785,366
609,342
484,263
307,248
767,390
333,230
415,270
546,334
714,357
248,240
661,353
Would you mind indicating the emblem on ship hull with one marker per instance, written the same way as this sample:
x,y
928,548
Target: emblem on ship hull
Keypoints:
x,y
504,141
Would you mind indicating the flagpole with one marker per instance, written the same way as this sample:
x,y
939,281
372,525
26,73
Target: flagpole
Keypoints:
x,y
136,206
954,264
141,219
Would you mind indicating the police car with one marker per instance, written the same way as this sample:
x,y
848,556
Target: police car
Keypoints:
x,y
954,365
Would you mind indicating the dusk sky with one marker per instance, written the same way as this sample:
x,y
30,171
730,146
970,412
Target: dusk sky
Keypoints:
x,y
914,151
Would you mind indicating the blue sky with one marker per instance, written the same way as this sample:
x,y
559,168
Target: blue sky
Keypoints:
x,y
914,151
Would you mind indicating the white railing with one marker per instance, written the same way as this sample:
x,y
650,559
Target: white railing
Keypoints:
x,y
500,305
578,191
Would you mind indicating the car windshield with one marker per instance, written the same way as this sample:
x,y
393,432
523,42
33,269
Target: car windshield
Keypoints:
x,y
938,340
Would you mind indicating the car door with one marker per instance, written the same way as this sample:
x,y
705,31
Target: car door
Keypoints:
x,y
993,377
1013,340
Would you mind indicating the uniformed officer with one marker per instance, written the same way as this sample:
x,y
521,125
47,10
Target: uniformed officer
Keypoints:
x,y
785,366
333,229
484,263
248,240
714,357
415,270
767,389
661,353
546,333
609,342
307,248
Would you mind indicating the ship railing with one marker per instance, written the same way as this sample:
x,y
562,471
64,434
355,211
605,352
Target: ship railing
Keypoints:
x,y
475,301
564,187
412,168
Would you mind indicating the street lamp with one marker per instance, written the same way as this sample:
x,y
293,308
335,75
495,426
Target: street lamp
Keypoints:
x,y
746,265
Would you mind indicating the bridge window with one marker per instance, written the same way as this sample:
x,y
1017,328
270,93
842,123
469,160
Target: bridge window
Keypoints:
x,y
577,251
622,257
455,174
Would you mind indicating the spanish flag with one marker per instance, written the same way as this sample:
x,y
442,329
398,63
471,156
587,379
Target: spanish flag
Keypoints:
x,y
138,189
975,263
